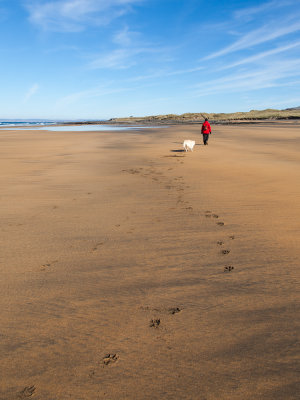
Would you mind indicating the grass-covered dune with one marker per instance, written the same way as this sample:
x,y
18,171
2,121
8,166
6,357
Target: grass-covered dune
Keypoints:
x,y
253,115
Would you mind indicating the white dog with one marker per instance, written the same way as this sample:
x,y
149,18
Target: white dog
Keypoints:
x,y
188,145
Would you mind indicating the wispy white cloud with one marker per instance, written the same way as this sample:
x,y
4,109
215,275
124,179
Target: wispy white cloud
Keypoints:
x,y
126,57
125,37
282,103
117,59
31,91
75,15
270,75
250,12
262,55
166,73
258,36
98,91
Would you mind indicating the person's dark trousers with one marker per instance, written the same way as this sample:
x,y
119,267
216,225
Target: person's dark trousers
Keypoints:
x,y
205,138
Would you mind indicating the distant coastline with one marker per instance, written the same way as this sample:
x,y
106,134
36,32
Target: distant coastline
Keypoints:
x,y
221,118
253,116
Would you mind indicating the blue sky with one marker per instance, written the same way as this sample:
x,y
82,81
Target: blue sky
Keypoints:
x,y
95,59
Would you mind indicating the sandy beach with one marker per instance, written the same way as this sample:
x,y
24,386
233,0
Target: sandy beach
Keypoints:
x,y
133,270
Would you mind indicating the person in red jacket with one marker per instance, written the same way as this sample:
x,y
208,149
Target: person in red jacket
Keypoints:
x,y
206,131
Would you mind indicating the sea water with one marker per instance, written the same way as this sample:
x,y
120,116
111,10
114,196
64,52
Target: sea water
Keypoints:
x,y
18,123
53,126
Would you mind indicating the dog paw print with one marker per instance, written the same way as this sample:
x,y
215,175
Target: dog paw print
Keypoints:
x,y
228,268
225,251
110,359
154,323
45,266
174,310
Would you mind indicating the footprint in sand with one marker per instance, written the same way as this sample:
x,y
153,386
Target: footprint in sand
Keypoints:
x,y
220,243
45,266
48,265
225,251
220,223
232,237
97,246
131,171
154,323
215,216
228,268
28,391
174,310
110,359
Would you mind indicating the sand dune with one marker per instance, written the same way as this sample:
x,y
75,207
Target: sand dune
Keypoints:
x,y
133,270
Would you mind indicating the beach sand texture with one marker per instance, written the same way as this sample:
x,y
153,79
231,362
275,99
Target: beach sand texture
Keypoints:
x,y
133,270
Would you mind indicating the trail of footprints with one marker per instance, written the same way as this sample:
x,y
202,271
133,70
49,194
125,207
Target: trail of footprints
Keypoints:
x,y
110,359
209,214
176,183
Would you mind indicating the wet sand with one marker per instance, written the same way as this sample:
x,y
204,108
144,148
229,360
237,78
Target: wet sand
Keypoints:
x,y
133,270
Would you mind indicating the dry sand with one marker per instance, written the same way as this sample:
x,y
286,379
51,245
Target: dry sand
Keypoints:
x,y
132,270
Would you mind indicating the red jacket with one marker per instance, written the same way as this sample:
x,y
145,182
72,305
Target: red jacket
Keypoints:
x,y
206,127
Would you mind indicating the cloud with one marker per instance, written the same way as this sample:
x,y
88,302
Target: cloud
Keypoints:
x,y
270,75
164,73
126,57
258,36
116,59
283,102
99,91
250,12
262,55
32,91
272,20
75,15
125,37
